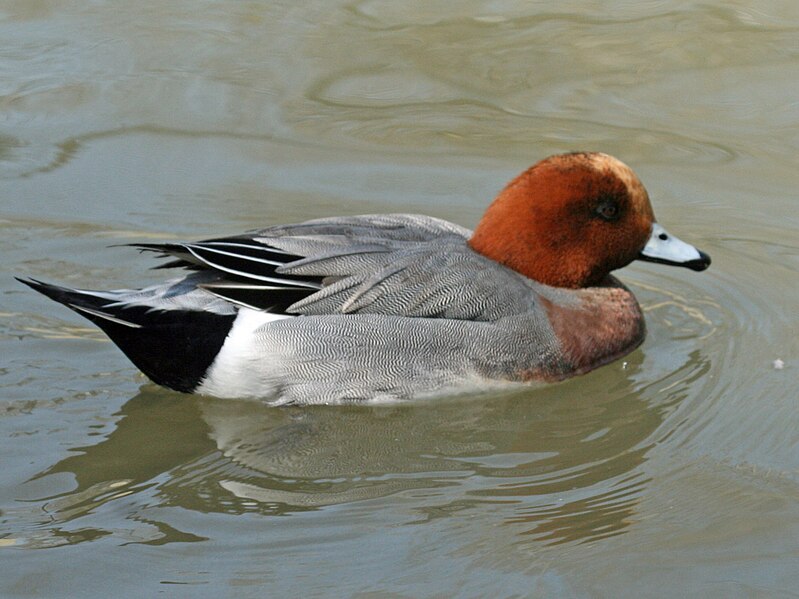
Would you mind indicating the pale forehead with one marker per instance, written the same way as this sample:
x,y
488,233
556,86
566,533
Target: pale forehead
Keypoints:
x,y
607,163
636,189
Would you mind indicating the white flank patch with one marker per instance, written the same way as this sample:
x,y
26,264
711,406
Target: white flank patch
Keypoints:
x,y
240,368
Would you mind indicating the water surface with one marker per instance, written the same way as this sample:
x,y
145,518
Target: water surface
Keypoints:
x,y
673,472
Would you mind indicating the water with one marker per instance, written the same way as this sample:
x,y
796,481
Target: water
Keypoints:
x,y
674,472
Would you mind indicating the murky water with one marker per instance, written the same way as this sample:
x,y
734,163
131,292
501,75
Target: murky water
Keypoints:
x,y
674,472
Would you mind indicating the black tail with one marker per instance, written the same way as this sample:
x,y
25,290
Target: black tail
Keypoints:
x,y
174,348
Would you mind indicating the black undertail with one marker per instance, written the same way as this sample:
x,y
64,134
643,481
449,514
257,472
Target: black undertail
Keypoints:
x,y
174,348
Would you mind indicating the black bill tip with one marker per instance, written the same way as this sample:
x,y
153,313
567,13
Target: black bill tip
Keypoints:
x,y
701,264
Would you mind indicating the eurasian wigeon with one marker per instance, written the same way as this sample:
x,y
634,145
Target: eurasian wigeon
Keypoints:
x,y
387,307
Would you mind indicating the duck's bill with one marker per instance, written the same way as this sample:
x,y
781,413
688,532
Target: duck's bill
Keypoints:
x,y
664,248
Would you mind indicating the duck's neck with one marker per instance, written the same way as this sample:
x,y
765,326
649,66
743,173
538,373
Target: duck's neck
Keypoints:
x,y
520,234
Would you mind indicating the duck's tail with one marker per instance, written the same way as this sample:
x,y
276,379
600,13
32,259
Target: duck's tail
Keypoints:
x,y
173,345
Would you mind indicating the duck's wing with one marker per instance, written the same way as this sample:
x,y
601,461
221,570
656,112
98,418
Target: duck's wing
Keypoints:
x,y
441,279
241,270
396,264
400,265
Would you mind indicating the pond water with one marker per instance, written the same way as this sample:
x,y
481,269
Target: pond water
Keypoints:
x,y
673,472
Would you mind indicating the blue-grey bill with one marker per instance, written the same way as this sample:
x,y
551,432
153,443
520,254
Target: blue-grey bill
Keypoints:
x,y
665,248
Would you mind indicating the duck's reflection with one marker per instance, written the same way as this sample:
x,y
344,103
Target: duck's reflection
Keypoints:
x,y
562,463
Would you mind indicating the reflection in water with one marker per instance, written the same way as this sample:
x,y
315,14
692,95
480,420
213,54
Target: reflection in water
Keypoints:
x,y
529,449
591,518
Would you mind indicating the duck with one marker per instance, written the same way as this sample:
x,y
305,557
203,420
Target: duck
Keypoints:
x,y
390,307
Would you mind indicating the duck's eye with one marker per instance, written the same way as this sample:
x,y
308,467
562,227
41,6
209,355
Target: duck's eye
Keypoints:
x,y
608,210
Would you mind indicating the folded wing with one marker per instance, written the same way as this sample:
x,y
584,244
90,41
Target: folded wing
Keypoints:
x,y
405,265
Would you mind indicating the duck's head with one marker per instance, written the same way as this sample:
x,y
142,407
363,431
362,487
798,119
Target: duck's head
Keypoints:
x,y
571,219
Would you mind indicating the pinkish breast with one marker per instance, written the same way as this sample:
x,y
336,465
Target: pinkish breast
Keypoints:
x,y
605,324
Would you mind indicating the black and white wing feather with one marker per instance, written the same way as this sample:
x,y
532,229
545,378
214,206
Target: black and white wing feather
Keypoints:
x,y
400,265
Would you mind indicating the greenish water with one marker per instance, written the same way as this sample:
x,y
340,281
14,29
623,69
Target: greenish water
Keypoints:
x,y
674,472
